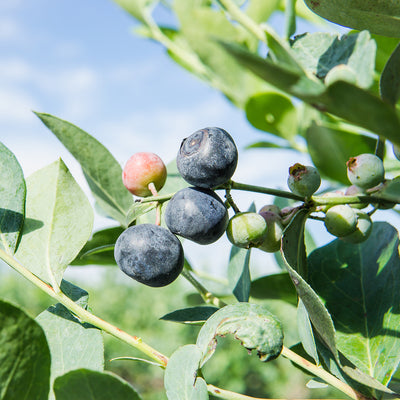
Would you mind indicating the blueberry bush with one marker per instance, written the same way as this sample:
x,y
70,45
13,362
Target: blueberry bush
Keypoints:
x,y
333,97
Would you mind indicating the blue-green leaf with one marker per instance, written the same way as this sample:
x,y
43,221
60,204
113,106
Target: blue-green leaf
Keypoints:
x,y
252,324
24,356
59,221
12,200
102,171
180,380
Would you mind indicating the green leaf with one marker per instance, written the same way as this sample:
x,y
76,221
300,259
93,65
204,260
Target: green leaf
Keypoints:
x,y
385,47
84,384
390,78
252,324
290,81
378,16
201,26
390,190
320,52
137,210
99,250
290,18
330,148
24,356
239,273
267,145
73,344
65,222
368,277
275,286
75,293
294,254
343,99
306,332
180,380
100,168
139,9
363,109
192,315
12,200
274,113
260,11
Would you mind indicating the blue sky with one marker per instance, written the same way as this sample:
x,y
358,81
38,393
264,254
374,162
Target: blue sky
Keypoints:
x,y
79,60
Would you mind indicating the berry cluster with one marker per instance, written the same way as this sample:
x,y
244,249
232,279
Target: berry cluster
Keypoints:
x,y
152,254
207,159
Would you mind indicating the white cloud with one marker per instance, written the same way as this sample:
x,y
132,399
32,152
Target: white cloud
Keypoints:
x,y
74,89
10,4
10,29
16,106
14,70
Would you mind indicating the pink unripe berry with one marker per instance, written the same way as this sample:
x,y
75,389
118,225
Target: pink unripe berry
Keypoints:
x,y
141,170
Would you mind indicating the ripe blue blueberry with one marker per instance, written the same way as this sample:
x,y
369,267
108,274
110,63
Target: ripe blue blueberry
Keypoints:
x,y
207,158
150,254
196,214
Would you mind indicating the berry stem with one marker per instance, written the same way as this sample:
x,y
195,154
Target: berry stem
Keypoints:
x,y
230,201
154,192
207,296
83,314
333,200
265,190
153,189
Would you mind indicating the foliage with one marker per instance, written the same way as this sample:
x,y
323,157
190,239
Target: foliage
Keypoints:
x,y
330,96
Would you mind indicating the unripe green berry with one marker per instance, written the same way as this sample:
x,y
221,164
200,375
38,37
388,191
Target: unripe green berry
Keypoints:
x,y
303,180
365,170
363,229
272,241
246,229
354,190
340,220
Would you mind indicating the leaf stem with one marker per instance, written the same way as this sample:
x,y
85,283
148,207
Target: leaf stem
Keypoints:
x,y
207,296
321,373
83,314
237,14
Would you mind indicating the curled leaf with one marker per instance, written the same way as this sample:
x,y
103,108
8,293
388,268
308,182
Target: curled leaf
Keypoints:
x,y
252,324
